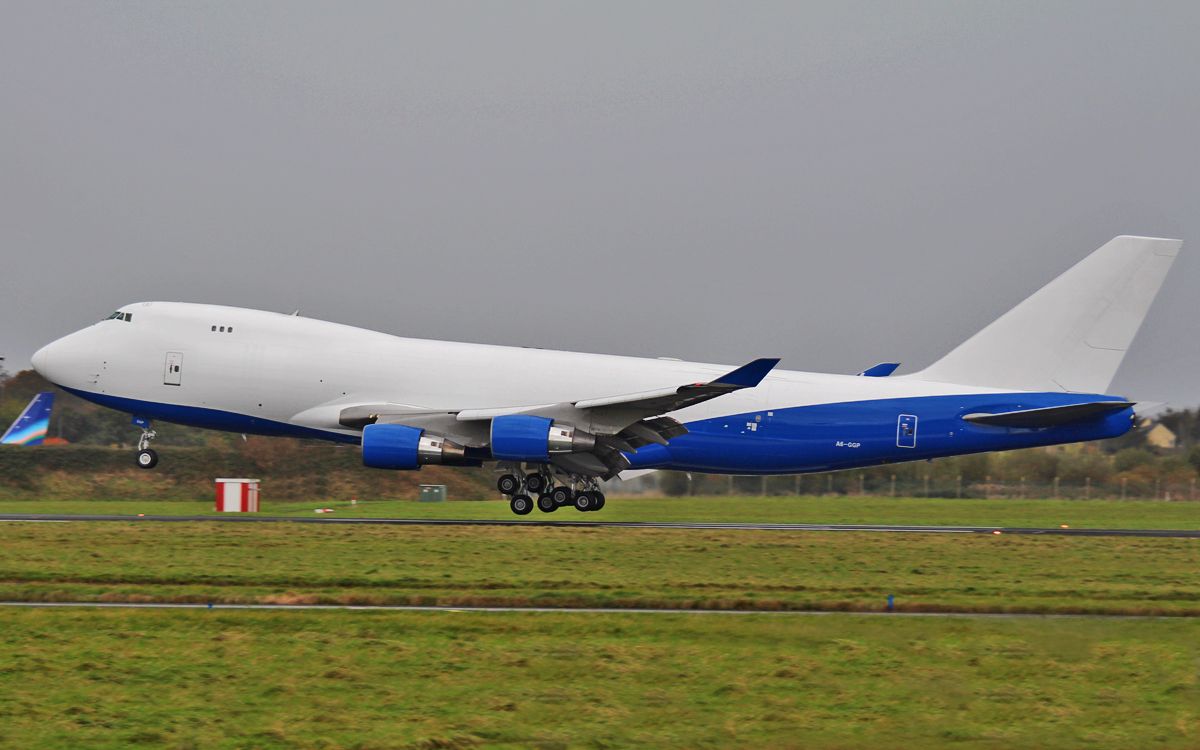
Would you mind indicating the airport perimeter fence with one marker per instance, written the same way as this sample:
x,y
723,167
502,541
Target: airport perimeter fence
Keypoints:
x,y
880,484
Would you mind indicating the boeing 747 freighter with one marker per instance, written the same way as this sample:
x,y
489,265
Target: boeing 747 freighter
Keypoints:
x,y
557,422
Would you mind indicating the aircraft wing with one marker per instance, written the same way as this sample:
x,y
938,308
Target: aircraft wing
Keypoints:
x,y
621,423
610,414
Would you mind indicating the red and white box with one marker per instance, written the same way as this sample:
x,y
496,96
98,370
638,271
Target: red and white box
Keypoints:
x,y
237,495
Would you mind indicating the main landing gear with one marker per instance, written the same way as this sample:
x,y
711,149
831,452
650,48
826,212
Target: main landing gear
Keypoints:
x,y
583,492
147,457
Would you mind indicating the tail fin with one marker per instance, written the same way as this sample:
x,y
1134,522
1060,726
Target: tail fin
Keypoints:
x,y
31,427
1072,334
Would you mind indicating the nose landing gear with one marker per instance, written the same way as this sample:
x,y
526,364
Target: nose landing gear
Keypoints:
x,y
147,457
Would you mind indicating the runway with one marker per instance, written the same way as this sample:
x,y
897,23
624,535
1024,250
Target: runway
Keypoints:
x,y
699,526
564,610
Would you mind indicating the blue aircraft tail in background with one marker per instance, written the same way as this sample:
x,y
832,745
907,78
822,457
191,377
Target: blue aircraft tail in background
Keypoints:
x,y
31,427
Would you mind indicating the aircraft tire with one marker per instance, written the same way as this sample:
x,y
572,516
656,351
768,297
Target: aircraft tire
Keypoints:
x,y
561,496
546,504
584,501
535,482
147,459
521,504
599,500
508,484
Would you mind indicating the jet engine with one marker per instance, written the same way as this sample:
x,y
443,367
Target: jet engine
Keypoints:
x,y
523,437
397,446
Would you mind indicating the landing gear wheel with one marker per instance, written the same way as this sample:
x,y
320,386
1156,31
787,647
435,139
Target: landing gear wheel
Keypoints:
x,y
508,484
584,501
546,503
535,482
560,496
521,504
147,459
599,500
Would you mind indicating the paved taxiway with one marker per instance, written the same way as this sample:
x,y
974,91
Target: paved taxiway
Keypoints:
x,y
564,610
878,528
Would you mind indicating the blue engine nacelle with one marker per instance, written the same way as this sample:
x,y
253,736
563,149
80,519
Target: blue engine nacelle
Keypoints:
x,y
397,446
523,437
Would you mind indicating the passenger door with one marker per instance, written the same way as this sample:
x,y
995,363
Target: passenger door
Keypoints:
x,y
906,431
173,369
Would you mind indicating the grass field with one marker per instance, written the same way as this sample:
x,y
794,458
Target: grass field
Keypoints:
x,y
609,567
343,679
930,511
213,679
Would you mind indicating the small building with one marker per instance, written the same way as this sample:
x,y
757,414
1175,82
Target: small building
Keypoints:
x,y
432,493
1160,436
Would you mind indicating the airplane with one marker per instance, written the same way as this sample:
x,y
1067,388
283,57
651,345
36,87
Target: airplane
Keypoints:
x,y
31,427
557,422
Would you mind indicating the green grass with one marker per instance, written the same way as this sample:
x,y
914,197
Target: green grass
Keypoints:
x,y
609,567
869,510
214,679
228,679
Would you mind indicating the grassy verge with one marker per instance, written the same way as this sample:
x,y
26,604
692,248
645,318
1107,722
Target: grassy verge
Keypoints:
x,y
609,567
195,679
869,510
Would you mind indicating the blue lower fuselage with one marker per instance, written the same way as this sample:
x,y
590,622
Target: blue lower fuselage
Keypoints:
x,y
828,437
821,437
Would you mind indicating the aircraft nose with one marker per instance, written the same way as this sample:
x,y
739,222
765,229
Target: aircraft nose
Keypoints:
x,y
74,361
58,361
41,361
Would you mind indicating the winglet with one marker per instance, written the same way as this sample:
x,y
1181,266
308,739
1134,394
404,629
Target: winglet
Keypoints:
x,y
748,376
881,370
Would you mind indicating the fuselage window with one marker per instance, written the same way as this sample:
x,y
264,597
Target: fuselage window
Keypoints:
x,y
222,329
230,329
214,328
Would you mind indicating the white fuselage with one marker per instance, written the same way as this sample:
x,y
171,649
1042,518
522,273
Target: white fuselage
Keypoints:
x,y
303,372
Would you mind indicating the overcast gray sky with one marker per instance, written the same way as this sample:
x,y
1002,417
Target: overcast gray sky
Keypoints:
x,y
834,183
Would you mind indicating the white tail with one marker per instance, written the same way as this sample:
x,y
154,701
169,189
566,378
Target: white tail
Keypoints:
x,y
1072,334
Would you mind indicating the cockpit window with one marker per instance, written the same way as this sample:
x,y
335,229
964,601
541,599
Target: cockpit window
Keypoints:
x,y
118,315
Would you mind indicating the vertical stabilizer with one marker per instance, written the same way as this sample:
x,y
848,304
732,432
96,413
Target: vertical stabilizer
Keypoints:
x,y
1072,334
31,427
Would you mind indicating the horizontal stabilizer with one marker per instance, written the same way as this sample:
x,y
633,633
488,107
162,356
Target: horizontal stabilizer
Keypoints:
x,y
881,370
1051,416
